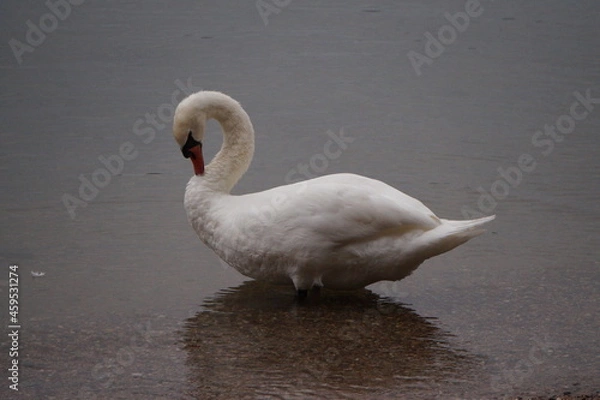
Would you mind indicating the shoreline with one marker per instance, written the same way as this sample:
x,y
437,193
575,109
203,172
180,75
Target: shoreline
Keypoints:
x,y
594,395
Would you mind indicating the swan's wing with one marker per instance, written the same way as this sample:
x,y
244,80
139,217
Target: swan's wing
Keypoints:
x,y
341,209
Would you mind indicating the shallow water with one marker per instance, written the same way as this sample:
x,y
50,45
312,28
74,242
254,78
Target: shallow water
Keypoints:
x,y
133,306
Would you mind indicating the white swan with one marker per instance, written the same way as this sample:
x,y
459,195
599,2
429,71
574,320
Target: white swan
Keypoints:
x,y
341,231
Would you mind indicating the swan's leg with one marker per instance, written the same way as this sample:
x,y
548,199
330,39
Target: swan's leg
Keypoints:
x,y
302,285
315,292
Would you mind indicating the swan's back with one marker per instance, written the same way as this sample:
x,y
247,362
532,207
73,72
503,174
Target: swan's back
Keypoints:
x,y
343,231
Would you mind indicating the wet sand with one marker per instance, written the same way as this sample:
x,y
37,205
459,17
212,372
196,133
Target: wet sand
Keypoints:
x,y
133,306
564,396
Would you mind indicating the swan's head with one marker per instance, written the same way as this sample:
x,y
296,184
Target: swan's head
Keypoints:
x,y
188,130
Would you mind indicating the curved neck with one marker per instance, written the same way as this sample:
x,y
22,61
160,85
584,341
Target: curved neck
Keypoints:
x,y
233,160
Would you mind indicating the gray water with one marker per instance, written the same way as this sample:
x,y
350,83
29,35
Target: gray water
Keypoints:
x,y
133,306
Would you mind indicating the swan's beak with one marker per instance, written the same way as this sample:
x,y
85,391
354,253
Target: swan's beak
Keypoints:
x,y
197,159
193,149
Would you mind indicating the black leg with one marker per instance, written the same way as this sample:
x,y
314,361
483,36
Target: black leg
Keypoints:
x,y
302,293
315,293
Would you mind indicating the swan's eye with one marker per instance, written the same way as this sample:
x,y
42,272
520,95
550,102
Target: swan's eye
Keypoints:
x,y
189,144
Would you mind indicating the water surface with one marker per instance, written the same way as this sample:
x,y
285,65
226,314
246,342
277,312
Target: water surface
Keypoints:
x,y
133,306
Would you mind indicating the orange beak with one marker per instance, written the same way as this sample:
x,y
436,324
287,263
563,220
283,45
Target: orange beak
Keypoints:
x,y
197,159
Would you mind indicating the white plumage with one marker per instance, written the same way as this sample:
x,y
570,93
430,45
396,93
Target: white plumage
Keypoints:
x,y
341,231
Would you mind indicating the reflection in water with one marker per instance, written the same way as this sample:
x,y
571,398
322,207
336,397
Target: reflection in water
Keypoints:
x,y
256,341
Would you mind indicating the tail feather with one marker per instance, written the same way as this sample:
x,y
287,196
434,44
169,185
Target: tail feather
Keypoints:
x,y
449,235
469,228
